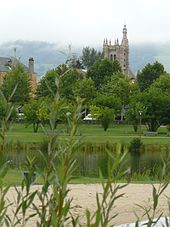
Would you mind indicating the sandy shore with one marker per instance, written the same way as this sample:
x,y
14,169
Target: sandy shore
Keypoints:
x,y
84,197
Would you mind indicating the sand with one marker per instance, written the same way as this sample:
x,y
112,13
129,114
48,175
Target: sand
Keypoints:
x,y
84,197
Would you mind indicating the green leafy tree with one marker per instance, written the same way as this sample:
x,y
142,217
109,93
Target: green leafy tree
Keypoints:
x,y
90,56
133,114
119,87
47,80
95,111
7,115
107,117
17,76
102,71
61,69
68,83
149,74
163,83
85,89
108,101
157,104
74,62
36,112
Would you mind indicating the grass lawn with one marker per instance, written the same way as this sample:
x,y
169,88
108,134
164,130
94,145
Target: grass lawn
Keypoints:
x,y
14,177
92,134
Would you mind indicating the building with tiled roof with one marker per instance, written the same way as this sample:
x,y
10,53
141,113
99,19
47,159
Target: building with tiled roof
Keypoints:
x,y
6,64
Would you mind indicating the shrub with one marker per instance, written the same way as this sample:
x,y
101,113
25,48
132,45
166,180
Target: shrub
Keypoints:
x,y
107,117
168,128
135,144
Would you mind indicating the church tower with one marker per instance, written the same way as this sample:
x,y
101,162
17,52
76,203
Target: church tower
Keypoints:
x,y
119,52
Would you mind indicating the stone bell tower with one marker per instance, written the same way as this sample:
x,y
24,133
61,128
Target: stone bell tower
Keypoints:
x,y
119,52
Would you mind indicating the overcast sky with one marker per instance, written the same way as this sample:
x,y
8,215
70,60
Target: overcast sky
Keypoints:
x,y
84,22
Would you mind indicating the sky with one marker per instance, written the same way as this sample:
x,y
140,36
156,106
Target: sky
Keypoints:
x,y
84,22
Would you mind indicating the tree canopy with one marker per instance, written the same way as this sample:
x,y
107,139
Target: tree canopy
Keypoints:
x,y
17,76
149,74
47,80
102,71
90,56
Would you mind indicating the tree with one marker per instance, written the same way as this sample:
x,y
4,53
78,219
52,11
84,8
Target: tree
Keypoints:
x,y
157,104
149,74
85,89
108,101
68,83
47,80
107,117
17,76
90,56
119,87
36,112
102,71
133,113
74,62
163,83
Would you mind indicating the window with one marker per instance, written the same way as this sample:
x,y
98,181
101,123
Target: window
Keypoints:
x,y
111,57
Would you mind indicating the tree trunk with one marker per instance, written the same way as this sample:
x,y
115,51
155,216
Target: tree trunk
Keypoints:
x,y
35,127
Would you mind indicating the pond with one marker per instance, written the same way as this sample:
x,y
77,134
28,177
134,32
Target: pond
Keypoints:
x,y
147,162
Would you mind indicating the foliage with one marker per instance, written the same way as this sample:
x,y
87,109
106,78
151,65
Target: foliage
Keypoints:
x,y
8,114
108,101
68,83
168,128
74,62
69,78
59,163
135,144
95,111
4,218
133,113
49,78
17,76
61,69
85,89
150,211
56,205
157,105
162,83
118,86
105,214
106,117
102,71
90,56
149,74
36,112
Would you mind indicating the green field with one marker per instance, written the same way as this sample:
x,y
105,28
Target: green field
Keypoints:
x,y
91,133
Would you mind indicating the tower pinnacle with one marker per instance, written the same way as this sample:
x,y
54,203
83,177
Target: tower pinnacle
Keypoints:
x,y
125,31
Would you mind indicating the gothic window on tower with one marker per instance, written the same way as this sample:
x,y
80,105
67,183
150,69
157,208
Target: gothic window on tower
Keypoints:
x,y
114,57
111,57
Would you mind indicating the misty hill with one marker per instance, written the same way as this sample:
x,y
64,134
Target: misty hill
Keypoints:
x,y
50,55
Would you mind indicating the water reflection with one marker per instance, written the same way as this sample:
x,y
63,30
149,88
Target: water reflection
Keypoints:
x,y
92,157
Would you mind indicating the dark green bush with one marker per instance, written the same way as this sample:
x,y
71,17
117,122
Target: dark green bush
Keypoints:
x,y
168,128
135,144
